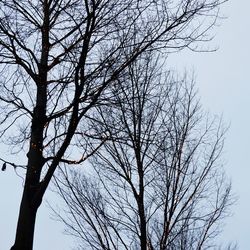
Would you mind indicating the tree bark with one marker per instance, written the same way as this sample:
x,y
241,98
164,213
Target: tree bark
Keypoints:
x,y
143,227
32,198
26,223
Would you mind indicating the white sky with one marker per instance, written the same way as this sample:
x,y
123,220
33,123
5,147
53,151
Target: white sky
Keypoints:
x,y
223,81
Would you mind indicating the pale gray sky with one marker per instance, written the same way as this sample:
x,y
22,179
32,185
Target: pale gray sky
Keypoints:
x,y
223,81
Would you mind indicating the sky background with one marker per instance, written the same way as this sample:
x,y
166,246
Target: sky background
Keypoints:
x,y
223,81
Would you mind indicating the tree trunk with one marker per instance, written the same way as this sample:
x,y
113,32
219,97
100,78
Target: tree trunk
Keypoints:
x,y
32,198
26,221
143,227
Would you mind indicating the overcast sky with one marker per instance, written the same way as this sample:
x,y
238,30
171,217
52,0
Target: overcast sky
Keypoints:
x,y
223,81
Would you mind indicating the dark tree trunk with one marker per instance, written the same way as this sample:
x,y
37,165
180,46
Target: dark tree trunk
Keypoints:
x,y
32,196
26,223
31,199
141,208
143,228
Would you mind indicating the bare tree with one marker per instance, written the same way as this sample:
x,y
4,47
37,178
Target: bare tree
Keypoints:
x,y
158,181
58,59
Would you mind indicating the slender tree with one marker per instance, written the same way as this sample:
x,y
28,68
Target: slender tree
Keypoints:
x,y
58,59
157,182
